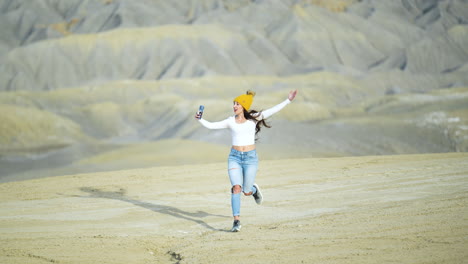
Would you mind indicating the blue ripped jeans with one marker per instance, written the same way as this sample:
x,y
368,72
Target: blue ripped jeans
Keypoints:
x,y
242,169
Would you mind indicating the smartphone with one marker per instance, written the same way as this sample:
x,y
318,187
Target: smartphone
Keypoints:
x,y
200,111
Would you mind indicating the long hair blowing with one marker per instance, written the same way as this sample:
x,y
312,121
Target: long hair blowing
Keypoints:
x,y
252,115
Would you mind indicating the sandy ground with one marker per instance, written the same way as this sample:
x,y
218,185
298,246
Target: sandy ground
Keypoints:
x,y
377,209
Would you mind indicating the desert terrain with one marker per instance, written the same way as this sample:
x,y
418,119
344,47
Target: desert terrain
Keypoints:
x,y
102,161
373,209
85,83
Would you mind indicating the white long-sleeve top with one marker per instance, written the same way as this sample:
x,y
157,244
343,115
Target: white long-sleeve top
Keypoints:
x,y
243,134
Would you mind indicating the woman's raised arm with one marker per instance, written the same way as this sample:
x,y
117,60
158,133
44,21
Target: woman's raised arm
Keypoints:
x,y
275,109
214,125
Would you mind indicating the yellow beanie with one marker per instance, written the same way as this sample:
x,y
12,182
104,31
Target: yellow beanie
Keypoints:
x,y
245,99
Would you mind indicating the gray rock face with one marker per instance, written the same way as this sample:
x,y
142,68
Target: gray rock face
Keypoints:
x,y
264,37
375,77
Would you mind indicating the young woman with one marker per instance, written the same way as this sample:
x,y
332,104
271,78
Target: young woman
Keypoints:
x,y
243,161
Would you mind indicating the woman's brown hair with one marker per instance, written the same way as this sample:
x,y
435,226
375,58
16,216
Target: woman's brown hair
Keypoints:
x,y
253,115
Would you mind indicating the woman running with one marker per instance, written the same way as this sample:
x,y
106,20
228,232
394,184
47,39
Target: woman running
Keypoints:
x,y
243,161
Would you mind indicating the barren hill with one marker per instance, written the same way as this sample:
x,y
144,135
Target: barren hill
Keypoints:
x,y
83,79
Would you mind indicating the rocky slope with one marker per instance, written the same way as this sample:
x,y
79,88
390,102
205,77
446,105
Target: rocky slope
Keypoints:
x,y
80,78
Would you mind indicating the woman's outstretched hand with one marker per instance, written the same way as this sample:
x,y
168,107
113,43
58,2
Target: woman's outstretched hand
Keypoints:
x,y
292,95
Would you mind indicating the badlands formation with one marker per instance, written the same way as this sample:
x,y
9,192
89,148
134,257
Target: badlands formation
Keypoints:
x,y
82,83
101,160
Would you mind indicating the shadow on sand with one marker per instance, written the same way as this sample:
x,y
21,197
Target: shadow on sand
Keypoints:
x,y
163,209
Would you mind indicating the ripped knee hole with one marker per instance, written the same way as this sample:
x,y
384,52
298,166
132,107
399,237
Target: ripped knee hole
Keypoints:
x,y
236,189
